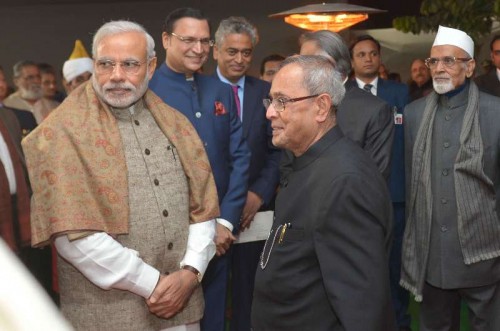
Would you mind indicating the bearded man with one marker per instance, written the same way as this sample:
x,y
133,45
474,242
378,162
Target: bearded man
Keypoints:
x,y
123,187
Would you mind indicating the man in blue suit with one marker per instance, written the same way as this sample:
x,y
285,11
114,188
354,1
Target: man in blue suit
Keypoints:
x,y
365,60
235,40
210,106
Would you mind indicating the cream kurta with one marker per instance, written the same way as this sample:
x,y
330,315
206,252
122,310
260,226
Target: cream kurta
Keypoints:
x,y
40,109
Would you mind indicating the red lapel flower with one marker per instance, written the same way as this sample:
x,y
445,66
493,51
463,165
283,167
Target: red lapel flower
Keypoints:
x,y
219,109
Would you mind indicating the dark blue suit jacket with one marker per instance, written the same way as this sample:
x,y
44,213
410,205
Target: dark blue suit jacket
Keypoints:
x,y
396,95
222,134
257,131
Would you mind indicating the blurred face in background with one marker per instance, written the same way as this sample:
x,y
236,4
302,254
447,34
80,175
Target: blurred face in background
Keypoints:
x,y
3,86
419,72
29,83
49,85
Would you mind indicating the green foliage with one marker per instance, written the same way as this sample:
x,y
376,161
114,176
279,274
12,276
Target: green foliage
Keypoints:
x,y
472,16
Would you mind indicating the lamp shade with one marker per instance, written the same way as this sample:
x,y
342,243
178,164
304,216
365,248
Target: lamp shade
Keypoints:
x,y
326,16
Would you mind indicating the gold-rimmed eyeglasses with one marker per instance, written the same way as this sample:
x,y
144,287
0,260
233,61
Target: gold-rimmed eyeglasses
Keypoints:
x,y
280,103
448,61
191,41
130,67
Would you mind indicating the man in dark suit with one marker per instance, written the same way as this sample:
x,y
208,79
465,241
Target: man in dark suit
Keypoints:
x,y
14,207
365,59
452,238
210,106
324,265
235,40
362,117
490,82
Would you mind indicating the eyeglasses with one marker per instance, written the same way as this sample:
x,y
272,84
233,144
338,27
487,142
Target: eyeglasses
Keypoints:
x,y
130,67
448,61
190,41
280,103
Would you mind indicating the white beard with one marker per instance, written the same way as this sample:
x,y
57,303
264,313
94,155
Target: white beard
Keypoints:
x,y
443,87
33,93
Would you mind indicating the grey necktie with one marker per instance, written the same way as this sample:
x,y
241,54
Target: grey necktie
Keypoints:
x,y
368,88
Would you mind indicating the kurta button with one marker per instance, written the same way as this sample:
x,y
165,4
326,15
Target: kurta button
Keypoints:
x,y
147,152
445,172
446,144
156,181
166,273
136,122
170,245
447,117
444,201
206,144
165,212
444,228
198,114
169,147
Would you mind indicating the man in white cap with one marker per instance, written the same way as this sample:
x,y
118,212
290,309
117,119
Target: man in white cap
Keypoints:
x,y
78,68
452,237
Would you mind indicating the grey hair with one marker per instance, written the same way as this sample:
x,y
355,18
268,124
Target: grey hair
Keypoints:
x,y
117,27
236,24
18,67
334,46
319,76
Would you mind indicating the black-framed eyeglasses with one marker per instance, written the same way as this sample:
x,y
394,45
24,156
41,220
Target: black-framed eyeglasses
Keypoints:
x,y
130,67
448,61
191,41
280,103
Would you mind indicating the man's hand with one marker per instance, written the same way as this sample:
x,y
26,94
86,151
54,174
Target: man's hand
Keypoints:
x,y
172,293
252,206
223,239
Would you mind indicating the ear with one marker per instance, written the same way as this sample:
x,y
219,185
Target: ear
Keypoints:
x,y
324,104
215,52
470,66
152,67
165,38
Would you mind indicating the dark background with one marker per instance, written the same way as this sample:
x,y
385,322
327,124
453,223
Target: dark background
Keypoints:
x,y
45,30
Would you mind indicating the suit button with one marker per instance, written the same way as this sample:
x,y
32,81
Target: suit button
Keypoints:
x,y
165,212
446,145
156,181
445,172
447,117
205,144
170,246
444,201
136,122
147,151
444,228
198,114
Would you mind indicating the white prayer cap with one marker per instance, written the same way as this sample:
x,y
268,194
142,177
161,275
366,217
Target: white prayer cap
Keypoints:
x,y
454,37
78,63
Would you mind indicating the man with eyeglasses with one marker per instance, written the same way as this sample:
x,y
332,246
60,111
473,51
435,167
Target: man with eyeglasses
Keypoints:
x,y
451,245
29,94
490,81
123,188
235,40
324,264
210,106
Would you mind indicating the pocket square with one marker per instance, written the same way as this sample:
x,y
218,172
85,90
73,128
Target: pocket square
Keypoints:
x,y
219,109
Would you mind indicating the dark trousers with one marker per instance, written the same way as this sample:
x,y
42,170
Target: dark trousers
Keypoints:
x,y
440,309
215,290
244,265
399,296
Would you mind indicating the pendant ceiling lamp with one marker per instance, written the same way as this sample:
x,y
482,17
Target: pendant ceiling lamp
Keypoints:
x,y
327,16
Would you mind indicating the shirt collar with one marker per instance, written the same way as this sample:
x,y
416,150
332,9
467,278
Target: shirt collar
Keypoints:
x,y
240,83
361,84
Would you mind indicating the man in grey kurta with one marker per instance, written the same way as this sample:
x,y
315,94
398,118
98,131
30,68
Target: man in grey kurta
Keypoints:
x,y
146,275
452,237
324,265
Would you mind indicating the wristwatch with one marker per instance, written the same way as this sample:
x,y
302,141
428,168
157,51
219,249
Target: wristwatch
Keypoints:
x,y
193,270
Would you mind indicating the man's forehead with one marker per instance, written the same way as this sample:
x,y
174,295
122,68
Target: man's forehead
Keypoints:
x,y
447,50
192,24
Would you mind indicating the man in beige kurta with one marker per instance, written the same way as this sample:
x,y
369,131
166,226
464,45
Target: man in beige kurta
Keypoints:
x,y
124,188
